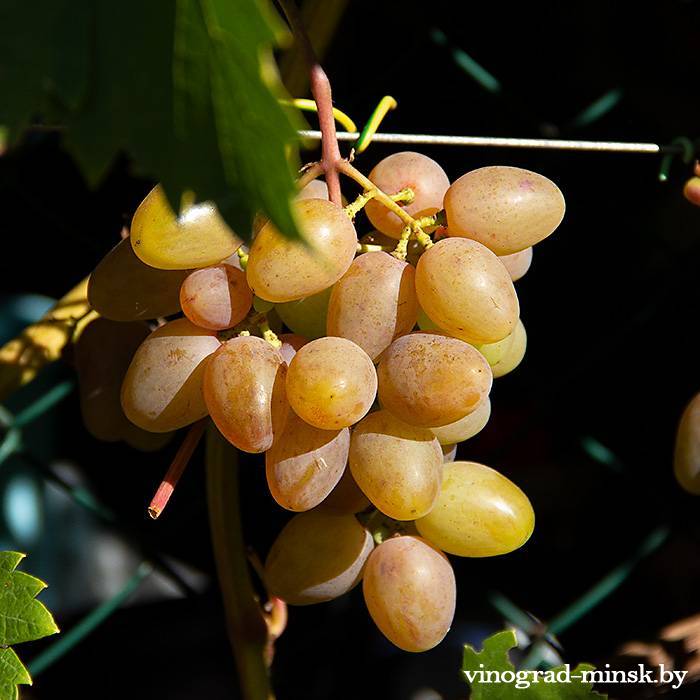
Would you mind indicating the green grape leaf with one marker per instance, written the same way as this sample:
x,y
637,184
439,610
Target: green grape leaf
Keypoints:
x,y
186,88
22,619
560,683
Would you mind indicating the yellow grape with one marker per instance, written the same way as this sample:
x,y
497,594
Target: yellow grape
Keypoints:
x,y
505,208
396,172
374,302
331,383
280,269
307,316
244,389
290,344
686,460
122,288
431,380
518,263
513,354
479,513
465,289
425,324
449,453
398,466
102,356
305,463
196,237
466,427
495,352
216,297
410,591
162,389
316,189
318,556
346,497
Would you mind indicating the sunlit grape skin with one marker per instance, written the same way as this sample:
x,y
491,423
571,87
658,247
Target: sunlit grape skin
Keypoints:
x,y
280,269
318,556
514,353
686,461
346,497
464,288
244,389
307,316
479,513
518,263
410,591
398,171
305,463
331,383
373,302
431,380
123,288
466,427
197,237
216,297
162,389
398,466
506,209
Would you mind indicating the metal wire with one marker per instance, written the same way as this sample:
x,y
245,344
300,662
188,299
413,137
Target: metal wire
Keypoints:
x,y
494,142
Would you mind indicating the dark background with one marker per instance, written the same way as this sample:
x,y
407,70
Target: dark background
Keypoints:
x,y
611,306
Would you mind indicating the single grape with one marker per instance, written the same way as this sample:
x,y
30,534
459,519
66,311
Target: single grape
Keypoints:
x,y
397,172
244,389
431,380
513,355
691,190
280,269
495,352
290,344
261,306
373,302
518,263
479,513
331,383
426,324
216,297
466,290
318,556
346,497
449,453
398,466
305,463
686,460
466,427
410,591
122,288
506,209
307,316
102,356
316,189
196,237
143,441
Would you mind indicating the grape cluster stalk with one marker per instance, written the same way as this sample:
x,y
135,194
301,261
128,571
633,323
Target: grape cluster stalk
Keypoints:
x,y
354,362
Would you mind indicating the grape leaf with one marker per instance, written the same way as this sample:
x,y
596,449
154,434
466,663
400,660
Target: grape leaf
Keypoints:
x,y
494,657
185,87
22,619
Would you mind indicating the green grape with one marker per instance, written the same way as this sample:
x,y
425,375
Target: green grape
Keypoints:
x,y
398,171
331,383
216,297
280,269
506,209
398,466
479,513
122,288
449,453
373,302
518,263
196,237
244,390
262,306
346,497
495,352
306,317
686,460
465,289
466,427
514,353
425,324
410,591
102,356
305,463
431,380
162,389
318,556
290,344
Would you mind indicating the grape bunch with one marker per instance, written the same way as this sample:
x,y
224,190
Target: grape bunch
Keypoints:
x,y
356,365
